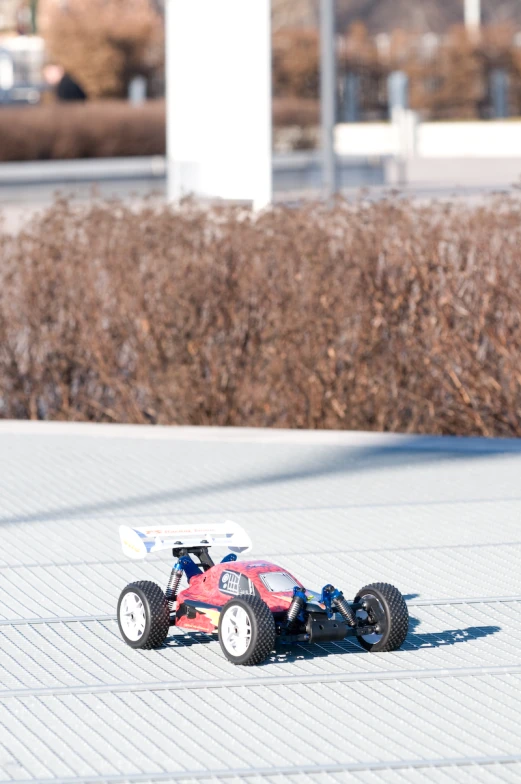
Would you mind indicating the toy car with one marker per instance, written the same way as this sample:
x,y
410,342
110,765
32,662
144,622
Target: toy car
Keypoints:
x,y
250,603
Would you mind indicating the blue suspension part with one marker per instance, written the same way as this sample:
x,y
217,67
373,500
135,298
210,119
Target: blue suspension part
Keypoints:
x,y
297,605
173,584
189,567
334,601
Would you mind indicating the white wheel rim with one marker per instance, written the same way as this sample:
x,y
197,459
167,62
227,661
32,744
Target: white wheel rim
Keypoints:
x,y
132,616
371,639
236,630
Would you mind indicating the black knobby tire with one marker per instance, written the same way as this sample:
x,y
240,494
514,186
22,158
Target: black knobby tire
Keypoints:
x,y
263,633
157,615
395,623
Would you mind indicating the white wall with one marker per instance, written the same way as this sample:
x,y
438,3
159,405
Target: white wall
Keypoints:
x,y
367,139
486,139
219,99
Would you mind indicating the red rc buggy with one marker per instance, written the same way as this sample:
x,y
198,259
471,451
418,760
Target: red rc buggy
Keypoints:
x,y
250,603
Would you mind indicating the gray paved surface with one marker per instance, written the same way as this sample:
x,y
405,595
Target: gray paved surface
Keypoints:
x,y
27,188
437,517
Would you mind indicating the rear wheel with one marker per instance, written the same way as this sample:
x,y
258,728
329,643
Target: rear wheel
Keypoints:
x,y
384,606
246,630
143,615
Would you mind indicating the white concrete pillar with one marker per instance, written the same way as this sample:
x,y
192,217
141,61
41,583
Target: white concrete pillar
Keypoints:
x,y
473,15
219,100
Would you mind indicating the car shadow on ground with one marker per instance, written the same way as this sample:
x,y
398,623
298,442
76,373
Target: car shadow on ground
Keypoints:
x,y
414,642
287,653
188,639
417,639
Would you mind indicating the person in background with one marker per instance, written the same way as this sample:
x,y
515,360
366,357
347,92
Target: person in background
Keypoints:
x,y
69,90
65,87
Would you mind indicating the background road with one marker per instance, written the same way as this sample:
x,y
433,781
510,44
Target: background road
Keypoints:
x,y
25,187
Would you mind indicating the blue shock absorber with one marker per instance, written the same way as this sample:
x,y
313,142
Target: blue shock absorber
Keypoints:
x,y
298,603
335,601
189,567
173,584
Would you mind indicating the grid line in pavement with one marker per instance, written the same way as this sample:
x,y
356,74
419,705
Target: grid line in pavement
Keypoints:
x,y
410,603
277,680
282,770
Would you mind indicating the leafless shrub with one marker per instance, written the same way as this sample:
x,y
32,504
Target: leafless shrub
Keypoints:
x,y
85,130
385,316
296,111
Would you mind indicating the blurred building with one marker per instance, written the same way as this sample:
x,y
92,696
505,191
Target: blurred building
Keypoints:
x,y
387,15
21,54
294,13
14,15
8,15
22,60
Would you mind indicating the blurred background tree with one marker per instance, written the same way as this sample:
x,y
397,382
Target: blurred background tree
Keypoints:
x,y
296,63
103,45
451,81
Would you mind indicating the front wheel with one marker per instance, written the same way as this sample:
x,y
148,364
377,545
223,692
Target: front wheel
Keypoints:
x,y
143,615
246,630
384,606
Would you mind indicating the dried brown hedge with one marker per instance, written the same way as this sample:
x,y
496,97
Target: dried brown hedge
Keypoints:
x,y
390,316
82,130
101,129
304,112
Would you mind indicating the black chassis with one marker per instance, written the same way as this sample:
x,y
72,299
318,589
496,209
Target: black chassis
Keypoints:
x,y
315,626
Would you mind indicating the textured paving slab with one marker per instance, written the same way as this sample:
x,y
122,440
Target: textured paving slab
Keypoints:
x,y
239,728
437,517
75,654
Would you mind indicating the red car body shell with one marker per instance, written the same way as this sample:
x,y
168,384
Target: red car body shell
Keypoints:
x,y
199,606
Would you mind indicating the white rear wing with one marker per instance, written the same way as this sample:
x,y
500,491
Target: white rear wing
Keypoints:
x,y
139,542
